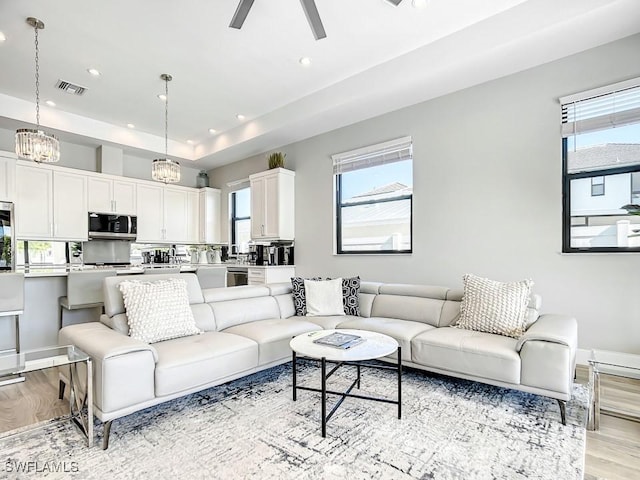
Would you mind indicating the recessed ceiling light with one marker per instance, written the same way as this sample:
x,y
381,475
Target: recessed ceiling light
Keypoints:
x,y
212,131
240,116
306,61
130,125
2,37
162,97
93,72
419,3
190,142
51,103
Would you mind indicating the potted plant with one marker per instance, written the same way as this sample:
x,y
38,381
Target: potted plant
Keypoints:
x,y
276,160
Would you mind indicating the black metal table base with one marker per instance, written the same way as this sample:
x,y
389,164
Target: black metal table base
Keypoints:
x,y
347,393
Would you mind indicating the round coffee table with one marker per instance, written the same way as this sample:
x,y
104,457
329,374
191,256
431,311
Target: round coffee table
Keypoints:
x,y
373,345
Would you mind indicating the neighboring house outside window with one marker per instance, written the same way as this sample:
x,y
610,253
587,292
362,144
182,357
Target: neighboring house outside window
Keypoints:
x,y
601,169
597,186
374,199
240,203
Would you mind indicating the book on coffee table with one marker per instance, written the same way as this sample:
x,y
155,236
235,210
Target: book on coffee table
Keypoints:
x,y
340,340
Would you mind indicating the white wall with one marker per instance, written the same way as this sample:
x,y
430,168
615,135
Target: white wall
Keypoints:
x,y
487,195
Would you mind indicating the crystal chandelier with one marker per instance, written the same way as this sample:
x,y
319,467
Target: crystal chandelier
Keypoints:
x,y
35,144
164,169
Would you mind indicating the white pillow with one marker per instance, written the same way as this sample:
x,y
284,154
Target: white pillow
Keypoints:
x,y
158,310
494,307
324,297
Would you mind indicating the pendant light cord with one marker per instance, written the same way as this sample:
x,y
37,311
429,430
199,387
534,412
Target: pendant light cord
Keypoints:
x,y
166,118
37,82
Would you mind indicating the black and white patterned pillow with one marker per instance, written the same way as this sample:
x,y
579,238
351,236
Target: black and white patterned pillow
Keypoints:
x,y
350,295
299,297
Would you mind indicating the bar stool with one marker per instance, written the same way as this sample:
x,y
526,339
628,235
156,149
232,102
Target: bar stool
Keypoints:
x,y
84,290
12,305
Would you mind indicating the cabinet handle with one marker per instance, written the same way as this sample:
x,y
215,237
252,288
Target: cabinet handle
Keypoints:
x,y
262,230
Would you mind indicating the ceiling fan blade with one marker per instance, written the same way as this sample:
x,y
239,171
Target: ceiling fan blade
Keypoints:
x,y
395,2
241,13
313,17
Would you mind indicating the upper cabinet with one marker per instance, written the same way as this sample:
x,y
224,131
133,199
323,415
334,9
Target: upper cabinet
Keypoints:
x,y
50,204
177,216
167,214
273,205
150,212
107,195
7,176
209,204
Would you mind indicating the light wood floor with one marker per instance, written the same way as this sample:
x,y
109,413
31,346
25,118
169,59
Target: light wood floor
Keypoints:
x,y
612,453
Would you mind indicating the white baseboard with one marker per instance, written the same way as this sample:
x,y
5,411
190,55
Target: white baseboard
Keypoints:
x,y
582,356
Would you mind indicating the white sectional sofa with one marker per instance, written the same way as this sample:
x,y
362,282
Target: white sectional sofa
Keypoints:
x,y
247,329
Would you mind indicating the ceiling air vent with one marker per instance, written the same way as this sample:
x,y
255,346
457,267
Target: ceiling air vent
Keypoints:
x,y
70,87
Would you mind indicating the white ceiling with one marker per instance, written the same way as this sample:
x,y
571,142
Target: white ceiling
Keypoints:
x,y
376,58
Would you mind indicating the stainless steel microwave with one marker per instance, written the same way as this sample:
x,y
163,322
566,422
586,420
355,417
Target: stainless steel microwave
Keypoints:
x,y
109,226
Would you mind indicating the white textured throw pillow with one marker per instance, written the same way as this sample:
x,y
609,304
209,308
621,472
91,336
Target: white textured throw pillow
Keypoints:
x,y
324,297
494,307
158,310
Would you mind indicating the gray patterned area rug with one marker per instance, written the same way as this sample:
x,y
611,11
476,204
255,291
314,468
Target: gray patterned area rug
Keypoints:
x,y
251,428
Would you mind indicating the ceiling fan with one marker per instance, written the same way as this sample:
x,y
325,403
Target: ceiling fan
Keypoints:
x,y
310,11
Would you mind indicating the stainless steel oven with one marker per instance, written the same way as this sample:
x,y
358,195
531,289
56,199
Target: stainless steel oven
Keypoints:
x,y
7,237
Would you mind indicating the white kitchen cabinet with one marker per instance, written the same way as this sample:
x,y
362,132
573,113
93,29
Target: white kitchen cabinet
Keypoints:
x,y
70,219
176,215
167,214
270,274
34,202
273,205
50,205
7,177
107,195
209,215
150,213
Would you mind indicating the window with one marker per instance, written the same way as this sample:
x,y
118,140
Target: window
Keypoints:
x,y
240,220
374,199
41,253
601,146
597,186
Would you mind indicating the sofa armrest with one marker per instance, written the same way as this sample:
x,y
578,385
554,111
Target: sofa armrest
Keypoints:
x,y
124,372
552,328
101,342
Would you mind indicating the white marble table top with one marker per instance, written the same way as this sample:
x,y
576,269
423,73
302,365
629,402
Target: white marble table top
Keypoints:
x,y
376,345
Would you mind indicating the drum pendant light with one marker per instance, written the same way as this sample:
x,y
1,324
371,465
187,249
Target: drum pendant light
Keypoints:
x,y
35,144
164,169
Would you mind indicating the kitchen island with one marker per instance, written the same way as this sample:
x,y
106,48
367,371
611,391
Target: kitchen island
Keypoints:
x,y
44,285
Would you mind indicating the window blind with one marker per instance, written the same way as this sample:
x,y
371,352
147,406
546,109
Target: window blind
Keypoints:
x,y
618,107
372,156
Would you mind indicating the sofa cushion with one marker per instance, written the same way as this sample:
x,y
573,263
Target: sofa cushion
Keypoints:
x,y
187,362
494,307
273,336
299,294
408,307
158,310
324,297
483,355
402,330
350,295
114,303
236,312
